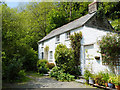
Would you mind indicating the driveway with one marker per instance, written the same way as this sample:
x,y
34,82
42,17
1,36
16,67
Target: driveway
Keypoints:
x,y
46,82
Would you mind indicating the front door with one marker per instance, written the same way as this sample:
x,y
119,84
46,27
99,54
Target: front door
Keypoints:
x,y
89,52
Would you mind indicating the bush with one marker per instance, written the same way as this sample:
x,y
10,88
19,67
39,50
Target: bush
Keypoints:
x,y
29,59
42,66
50,65
22,73
55,72
64,59
12,71
110,48
87,74
59,75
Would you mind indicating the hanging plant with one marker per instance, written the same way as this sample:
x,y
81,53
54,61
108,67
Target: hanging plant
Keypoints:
x,y
97,57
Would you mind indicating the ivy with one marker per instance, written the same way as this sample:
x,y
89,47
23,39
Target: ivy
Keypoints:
x,y
76,44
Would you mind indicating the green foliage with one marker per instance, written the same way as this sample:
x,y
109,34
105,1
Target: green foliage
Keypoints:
x,y
76,45
110,48
22,73
112,78
100,11
105,77
23,27
64,12
50,65
30,60
42,66
101,78
13,71
64,58
18,54
55,72
117,80
111,11
98,78
60,75
87,74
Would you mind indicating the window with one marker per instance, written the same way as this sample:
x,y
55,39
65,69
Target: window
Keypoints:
x,y
42,49
42,55
67,35
58,38
42,44
51,55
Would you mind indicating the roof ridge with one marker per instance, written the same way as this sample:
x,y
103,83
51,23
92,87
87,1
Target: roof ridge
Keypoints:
x,y
64,28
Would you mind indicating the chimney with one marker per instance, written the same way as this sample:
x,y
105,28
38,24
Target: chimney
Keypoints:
x,y
92,7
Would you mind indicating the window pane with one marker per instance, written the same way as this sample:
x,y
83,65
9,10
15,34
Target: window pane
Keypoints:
x,y
58,38
67,35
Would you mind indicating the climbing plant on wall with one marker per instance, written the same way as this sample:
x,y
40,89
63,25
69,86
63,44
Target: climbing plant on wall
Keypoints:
x,y
76,44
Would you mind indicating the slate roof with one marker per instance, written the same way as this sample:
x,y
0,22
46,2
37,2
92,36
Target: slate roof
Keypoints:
x,y
72,25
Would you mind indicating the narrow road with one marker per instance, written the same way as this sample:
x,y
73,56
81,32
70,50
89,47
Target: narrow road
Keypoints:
x,y
46,82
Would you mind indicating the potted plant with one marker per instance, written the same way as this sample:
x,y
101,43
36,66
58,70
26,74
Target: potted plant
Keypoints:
x,y
111,82
98,79
87,75
97,57
117,82
91,79
105,78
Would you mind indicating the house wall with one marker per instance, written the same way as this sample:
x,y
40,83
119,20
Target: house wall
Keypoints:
x,y
90,36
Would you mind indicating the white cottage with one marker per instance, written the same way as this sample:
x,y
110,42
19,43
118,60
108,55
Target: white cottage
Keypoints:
x,y
92,28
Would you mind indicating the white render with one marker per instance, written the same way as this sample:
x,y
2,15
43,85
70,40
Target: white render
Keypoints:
x,y
88,43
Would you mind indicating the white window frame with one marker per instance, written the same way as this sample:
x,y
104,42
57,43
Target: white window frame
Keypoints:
x,y
67,37
57,38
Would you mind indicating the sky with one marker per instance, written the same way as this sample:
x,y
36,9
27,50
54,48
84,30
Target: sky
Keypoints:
x,y
15,3
12,4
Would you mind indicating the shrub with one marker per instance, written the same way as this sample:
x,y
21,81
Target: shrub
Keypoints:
x,y
110,48
29,59
87,74
22,73
64,59
59,75
50,65
42,66
11,72
55,71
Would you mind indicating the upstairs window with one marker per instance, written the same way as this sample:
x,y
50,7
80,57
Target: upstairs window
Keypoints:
x,y
68,35
42,44
57,38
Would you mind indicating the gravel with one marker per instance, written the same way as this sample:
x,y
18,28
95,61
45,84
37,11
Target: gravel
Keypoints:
x,y
46,82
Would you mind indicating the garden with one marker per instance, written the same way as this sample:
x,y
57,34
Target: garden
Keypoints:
x,y
110,50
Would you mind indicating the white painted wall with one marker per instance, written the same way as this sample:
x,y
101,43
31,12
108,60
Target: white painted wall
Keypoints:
x,y
90,36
